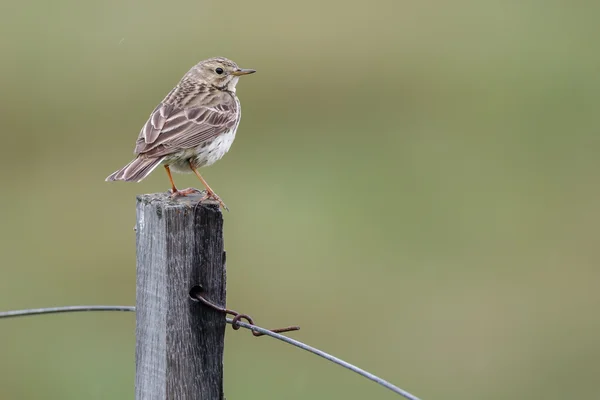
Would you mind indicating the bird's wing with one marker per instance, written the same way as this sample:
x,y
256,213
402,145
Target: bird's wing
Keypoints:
x,y
171,129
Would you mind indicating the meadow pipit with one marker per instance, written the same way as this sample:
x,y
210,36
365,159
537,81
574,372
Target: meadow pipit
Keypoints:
x,y
193,127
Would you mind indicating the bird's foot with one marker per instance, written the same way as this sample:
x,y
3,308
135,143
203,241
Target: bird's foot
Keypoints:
x,y
213,196
182,193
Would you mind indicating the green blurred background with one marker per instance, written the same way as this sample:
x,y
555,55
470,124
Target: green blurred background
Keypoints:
x,y
414,183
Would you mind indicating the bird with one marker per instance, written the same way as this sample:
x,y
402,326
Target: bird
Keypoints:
x,y
193,127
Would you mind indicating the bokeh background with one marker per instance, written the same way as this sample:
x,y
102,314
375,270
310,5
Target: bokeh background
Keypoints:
x,y
414,183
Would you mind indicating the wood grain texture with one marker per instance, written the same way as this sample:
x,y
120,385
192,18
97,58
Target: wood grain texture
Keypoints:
x,y
179,342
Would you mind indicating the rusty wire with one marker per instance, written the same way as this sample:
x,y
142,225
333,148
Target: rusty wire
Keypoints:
x,y
237,317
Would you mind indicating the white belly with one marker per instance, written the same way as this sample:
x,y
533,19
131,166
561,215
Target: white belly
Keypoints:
x,y
214,151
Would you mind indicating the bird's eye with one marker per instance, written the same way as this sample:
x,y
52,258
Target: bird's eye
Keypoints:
x,y
219,71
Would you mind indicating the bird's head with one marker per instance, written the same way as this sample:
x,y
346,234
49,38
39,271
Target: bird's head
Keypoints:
x,y
218,72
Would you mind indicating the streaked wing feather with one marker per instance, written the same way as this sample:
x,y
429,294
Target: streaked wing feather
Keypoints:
x,y
170,129
156,122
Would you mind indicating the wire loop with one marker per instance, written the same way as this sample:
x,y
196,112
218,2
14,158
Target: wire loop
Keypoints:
x,y
195,295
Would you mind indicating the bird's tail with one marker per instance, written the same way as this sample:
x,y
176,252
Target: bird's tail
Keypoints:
x,y
136,170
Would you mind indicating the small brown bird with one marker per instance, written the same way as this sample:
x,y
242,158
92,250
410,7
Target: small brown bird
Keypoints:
x,y
193,127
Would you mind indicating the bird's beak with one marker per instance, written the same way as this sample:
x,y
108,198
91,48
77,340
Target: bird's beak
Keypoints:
x,y
243,71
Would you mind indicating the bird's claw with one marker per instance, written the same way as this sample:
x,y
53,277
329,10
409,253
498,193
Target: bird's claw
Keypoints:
x,y
208,196
182,193
213,196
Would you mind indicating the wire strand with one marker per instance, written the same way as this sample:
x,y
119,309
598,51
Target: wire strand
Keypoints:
x,y
255,328
328,357
56,310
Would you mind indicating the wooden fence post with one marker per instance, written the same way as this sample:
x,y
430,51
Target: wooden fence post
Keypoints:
x,y
179,342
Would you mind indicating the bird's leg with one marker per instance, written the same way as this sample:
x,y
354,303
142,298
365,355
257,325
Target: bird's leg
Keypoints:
x,y
210,194
173,188
174,191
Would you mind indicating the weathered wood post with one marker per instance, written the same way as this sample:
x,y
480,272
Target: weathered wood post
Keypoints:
x,y
179,342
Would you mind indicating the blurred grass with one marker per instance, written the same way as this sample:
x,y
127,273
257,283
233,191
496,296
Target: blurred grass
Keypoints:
x,y
429,166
